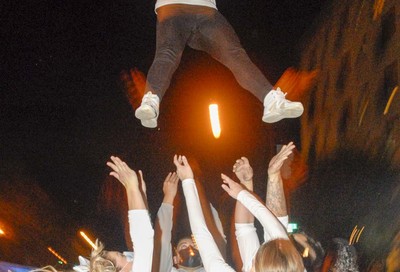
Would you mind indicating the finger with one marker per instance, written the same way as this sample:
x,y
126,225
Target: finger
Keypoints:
x,y
176,162
141,174
125,166
285,151
114,174
168,177
143,184
175,178
117,161
245,160
185,161
225,178
112,166
225,187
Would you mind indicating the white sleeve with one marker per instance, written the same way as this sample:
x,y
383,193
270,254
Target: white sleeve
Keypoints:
x,y
284,221
209,252
218,222
272,227
142,235
248,243
164,215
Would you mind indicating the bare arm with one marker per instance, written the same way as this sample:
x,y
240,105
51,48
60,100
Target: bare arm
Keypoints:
x,y
164,223
244,173
245,232
142,234
275,199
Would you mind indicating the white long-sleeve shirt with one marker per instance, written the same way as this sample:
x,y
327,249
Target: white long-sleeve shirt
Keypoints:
x,y
248,241
142,235
209,252
246,235
164,215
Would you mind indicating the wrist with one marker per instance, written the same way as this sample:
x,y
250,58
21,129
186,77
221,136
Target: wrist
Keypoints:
x,y
168,199
248,184
187,178
273,176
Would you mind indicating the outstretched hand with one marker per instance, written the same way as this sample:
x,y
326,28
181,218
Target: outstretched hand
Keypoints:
x,y
183,169
123,173
244,172
170,187
231,187
277,161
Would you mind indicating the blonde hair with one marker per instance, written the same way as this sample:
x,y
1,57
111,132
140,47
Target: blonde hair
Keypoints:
x,y
47,268
97,262
278,255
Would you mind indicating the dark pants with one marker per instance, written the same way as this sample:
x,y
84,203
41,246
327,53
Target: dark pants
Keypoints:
x,y
204,29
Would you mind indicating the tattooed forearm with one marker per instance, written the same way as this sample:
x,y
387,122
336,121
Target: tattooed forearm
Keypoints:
x,y
276,201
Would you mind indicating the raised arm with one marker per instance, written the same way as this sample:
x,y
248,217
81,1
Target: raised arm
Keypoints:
x,y
165,222
246,235
142,234
244,173
275,198
267,219
209,252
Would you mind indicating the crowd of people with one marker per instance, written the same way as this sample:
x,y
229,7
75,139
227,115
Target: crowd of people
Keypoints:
x,y
203,250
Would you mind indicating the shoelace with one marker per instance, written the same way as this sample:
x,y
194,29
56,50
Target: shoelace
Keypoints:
x,y
148,99
280,97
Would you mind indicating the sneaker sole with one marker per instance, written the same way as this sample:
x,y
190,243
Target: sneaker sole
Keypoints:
x,y
145,113
293,112
150,123
272,118
287,113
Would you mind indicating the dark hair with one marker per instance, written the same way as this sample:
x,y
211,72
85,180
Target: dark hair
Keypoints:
x,y
343,256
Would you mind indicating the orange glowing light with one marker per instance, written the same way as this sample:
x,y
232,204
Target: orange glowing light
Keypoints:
x,y
353,233
305,252
87,239
2,232
390,100
214,118
359,234
57,255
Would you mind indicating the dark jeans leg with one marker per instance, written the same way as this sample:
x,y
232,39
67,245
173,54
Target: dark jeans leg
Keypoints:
x,y
216,37
172,35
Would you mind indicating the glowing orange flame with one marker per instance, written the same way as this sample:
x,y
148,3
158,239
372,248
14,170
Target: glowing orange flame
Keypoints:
x,y
214,118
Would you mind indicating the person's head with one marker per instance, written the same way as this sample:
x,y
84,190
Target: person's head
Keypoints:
x,y
278,255
109,261
340,256
310,250
187,255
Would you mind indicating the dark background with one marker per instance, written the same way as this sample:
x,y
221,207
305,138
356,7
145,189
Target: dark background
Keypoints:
x,y
63,112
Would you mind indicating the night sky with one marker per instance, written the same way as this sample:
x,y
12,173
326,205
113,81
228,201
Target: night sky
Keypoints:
x,y
63,110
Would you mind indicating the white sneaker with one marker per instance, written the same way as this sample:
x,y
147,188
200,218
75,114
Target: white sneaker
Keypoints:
x,y
148,110
277,107
150,123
